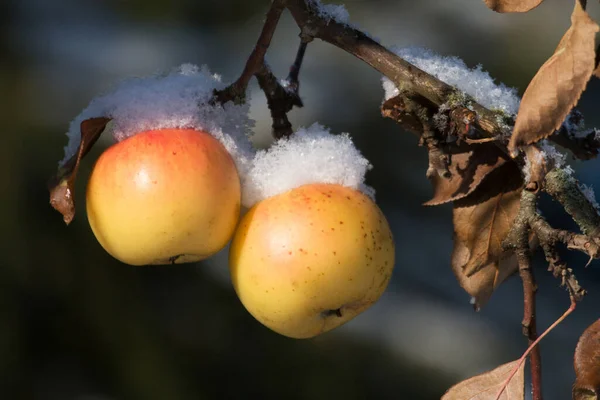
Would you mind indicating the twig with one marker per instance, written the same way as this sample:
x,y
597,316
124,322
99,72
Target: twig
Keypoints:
x,y
564,188
529,321
236,92
518,241
292,77
535,343
280,100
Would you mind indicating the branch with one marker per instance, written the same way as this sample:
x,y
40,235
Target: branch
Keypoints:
x,y
404,75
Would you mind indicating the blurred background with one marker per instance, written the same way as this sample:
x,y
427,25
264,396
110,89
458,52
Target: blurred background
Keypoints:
x,y
77,324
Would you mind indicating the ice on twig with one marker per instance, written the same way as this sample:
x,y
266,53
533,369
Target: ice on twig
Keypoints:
x,y
311,155
453,71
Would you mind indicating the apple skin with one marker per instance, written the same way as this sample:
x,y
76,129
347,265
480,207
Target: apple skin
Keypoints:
x,y
164,197
311,259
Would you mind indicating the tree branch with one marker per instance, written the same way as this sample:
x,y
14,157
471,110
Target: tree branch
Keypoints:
x,y
404,75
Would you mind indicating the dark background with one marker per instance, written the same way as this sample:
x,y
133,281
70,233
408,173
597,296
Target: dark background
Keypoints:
x,y
76,324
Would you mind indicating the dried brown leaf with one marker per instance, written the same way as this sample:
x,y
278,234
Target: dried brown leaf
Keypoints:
x,y
467,170
62,184
512,6
396,109
587,364
558,84
482,284
483,219
487,385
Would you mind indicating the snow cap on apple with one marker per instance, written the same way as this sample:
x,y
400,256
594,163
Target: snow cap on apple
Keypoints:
x,y
177,100
314,250
169,190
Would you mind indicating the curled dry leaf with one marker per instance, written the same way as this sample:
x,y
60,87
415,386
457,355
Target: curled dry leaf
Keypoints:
x,y
481,285
396,109
587,364
62,184
487,385
467,171
483,219
512,6
558,84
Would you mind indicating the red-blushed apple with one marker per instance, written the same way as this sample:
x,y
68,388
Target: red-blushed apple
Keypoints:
x,y
308,260
164,196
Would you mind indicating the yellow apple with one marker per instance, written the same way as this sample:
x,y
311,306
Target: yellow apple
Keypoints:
x,y
308,260
163,197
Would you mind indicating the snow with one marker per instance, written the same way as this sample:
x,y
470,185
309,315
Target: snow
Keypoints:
x,y
334,12
311,155
178,99
453,71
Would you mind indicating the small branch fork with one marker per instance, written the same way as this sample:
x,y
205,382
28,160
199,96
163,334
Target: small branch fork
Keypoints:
x,y
281,96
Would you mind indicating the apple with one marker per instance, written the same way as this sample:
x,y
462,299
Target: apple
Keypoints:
x,y
164,197
308,260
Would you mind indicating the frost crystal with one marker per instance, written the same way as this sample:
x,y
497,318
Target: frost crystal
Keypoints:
x,y
453,71
588,192
555,158
575,124
569,171
175,100
312,155
551,154
440,119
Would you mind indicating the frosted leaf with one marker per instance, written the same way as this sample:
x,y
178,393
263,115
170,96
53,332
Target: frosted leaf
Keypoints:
x,y
311,155
453,71
178,99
